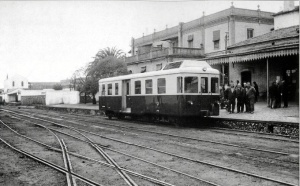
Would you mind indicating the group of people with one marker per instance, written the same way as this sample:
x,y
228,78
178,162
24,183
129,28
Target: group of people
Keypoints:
x,y
244,96
278,92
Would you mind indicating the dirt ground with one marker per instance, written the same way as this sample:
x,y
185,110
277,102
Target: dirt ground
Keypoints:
x,y
280,167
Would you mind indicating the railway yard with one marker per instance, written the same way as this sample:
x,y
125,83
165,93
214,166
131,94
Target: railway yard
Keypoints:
x,y
42,147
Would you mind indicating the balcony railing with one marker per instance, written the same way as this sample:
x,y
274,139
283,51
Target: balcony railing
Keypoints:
x,y
164,52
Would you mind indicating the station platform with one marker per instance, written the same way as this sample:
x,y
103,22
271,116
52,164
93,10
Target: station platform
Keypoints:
x,y
261,112
88,106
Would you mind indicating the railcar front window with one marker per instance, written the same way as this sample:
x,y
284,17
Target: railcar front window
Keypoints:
x,y
214,85
148,86
109,89
204,85
116,88
179,84
103,90
137,85
161,86
173,65
191,84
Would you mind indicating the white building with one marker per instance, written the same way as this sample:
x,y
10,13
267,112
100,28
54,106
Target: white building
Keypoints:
x,y
15,82
288,17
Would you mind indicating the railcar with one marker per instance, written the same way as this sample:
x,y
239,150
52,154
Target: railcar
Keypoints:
x,y
182,89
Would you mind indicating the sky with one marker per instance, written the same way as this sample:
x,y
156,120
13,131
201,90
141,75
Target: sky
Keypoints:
x,y
46,41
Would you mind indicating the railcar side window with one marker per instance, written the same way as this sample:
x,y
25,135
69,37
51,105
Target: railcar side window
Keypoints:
x,y
204,84
214,85
116,88
103,90
161,86
191,84
137,85
179,84
148,86
109,89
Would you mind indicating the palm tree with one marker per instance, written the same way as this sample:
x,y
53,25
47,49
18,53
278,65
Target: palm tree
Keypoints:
x,y
103,53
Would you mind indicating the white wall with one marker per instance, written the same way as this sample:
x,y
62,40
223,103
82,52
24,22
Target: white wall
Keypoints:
x,y
286,20
32,92
258,29
209,44
62,97
17,79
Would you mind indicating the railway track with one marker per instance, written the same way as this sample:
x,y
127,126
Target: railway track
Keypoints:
x,y
97,146
275,123
190,138
186,158
131,172
44,161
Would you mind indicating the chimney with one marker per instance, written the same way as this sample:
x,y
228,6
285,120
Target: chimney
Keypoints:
x,y
288,5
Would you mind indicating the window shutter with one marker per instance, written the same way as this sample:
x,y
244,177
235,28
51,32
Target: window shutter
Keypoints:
x,y
216,35
190,37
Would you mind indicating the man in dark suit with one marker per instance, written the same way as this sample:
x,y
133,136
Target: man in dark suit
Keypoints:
x,y
240,95
250,94
230,96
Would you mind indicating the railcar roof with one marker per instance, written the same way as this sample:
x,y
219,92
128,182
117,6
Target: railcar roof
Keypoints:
x,y
187,66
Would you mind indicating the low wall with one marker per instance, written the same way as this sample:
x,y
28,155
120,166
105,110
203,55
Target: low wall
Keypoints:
x,y
71,110
33,100
62,97
290,129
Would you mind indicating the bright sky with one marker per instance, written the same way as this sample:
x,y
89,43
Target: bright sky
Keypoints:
x,y
49,40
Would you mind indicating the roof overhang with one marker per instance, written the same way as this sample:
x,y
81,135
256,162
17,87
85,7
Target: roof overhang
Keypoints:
x,y
254,55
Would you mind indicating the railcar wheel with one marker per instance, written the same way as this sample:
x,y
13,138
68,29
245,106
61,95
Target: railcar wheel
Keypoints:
x,y
121,116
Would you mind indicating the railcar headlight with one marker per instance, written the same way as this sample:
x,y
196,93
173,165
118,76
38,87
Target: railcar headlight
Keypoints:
x,y
190,102
204,69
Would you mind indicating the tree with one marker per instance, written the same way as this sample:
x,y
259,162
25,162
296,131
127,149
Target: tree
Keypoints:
x,y
108,67
57,87
108,62
103,53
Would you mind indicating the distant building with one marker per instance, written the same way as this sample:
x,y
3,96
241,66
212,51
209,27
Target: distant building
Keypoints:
x,y
207,36
268,57
15,82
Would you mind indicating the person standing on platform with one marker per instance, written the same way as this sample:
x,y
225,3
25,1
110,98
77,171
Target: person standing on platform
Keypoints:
x,y
230,96
284,94
240,95
272,95
246,101
256,89
250,94
278,94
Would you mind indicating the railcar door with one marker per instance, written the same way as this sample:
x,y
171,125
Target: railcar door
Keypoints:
x,y
126,106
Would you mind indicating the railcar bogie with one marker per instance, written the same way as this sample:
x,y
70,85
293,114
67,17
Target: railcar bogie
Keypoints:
x,y
181,89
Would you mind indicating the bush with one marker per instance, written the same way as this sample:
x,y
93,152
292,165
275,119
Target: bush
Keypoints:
x,y
57,87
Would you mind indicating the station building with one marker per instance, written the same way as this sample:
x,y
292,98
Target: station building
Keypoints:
x,y
207,36
244,45
266,58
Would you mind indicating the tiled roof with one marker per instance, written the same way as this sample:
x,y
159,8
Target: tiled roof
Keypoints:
x,y
273,35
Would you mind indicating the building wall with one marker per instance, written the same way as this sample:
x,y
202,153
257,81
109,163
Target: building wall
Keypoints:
x,y
62,97
286,20
17,79
33,100
197,34
241,30
209,44
258,73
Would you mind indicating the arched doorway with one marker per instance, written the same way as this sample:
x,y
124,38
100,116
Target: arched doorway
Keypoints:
x,y
246,76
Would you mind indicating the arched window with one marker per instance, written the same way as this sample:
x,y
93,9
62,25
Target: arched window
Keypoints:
x,y
22,83
13,83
